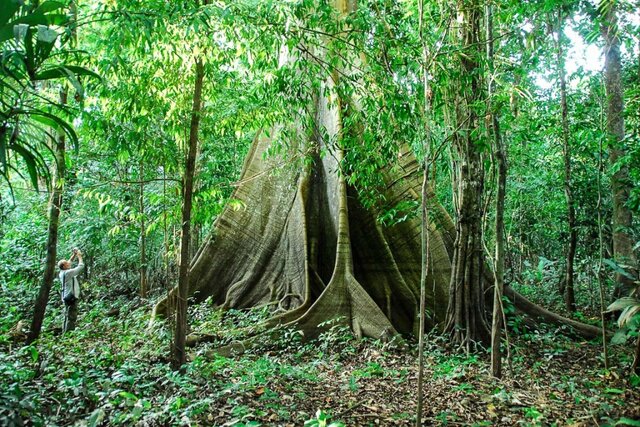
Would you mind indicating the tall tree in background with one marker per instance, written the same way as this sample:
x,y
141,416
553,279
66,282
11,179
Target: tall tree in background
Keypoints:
x,y
569,294
179,353
466,319
144,287
620,186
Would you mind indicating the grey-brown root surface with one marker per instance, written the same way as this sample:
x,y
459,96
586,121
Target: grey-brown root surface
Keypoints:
x,y
305,246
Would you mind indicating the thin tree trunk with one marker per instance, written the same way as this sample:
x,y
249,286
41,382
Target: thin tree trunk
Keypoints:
x,y
165,227
55,207
424,225
601,284
143,256
179,351
635,367
636,359
500,156
569,296
620,186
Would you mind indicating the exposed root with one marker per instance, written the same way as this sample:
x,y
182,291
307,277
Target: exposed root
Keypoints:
x,y
541,314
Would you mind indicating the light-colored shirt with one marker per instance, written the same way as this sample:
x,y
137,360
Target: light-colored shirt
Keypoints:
x,y
70,278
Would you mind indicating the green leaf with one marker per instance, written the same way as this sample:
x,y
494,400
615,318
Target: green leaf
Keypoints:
x,y
128,396
628,314
620,337
8,10
34,354
49,6
30,161
33,19
53,121
96,418
65,71
627,422
3,148
615,267
622,303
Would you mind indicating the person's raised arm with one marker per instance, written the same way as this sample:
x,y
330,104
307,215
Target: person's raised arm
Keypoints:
x,y
75,271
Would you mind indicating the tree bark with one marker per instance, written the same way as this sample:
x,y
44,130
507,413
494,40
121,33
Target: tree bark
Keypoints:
x,y
55,207
501,160
143,255
620,186
635,367
424,209
569,293
601,281
466,318
179,351
310,251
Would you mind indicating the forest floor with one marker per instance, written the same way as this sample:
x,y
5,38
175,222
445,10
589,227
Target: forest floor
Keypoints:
x,y
113,370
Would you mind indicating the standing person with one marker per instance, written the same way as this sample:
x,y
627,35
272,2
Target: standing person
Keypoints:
x,y
70,289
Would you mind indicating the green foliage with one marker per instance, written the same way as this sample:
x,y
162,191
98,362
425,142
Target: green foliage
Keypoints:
x,y
322,420
34,49
265,63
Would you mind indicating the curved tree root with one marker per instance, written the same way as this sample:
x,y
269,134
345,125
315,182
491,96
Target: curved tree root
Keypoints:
x,y
541,314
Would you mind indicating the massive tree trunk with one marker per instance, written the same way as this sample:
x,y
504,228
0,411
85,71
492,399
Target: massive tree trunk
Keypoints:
x,y
466,317
620,186
305,244
306,247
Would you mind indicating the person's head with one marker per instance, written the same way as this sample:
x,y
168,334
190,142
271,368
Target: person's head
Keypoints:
x,y
63,264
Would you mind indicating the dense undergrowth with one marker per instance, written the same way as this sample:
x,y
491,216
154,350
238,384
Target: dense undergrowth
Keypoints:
x,y
114,370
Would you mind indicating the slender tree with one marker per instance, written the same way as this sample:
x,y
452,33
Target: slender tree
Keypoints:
x,y
501,160
601,284
424,225
569,293
179,353
143,249
55,207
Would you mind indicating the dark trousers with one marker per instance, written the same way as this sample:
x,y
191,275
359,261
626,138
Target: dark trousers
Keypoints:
x,y
70,317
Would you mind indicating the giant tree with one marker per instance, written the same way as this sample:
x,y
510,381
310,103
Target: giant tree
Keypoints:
x,y
307,245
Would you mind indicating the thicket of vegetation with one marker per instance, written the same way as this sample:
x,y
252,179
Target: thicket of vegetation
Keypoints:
x,y
276,200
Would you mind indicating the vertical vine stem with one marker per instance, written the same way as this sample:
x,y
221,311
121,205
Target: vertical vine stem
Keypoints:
x,y
601,248
424,226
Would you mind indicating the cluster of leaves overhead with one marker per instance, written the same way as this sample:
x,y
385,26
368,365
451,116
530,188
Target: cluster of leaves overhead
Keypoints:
x,y
34,53
259,72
